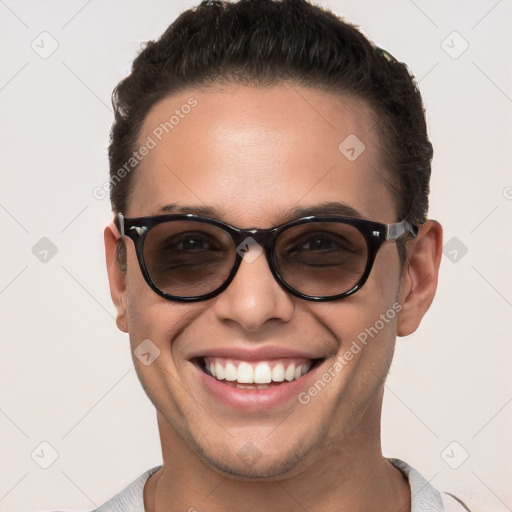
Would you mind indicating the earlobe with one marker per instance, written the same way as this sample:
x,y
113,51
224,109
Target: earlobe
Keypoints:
x,y
116,278
419,280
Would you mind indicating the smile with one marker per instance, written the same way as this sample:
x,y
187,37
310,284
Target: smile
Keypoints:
x,y
256,375
255,384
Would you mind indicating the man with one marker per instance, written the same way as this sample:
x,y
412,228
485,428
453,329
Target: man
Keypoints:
x,y
269,180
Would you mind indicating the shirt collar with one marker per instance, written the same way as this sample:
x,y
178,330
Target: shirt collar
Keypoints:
x,y
423,495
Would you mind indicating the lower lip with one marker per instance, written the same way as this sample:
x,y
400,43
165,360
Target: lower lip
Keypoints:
x,y
255,399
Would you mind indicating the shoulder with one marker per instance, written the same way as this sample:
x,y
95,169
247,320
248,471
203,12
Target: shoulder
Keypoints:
x,y
131,498
424,496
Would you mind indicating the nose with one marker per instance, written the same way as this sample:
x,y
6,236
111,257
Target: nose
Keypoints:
x,y
254,296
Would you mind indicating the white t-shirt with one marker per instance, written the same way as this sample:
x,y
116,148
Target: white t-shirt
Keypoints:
x,y
424,497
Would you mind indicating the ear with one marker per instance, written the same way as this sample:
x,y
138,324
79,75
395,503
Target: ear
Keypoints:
x,y
116,278
419,279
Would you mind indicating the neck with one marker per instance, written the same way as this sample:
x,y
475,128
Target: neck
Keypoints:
x,y
336,479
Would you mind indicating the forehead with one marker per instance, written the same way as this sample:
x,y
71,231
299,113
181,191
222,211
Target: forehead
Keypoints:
x,y
252,154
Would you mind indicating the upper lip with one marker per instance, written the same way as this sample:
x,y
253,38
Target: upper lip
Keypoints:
x,y
254,354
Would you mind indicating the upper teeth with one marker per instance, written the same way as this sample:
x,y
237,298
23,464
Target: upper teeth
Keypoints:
x,y
256,373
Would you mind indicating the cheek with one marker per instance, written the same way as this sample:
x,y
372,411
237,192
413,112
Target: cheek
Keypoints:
x,y
361,321
138,298
384,281
135,282
146,310
365,323
153,317
155,327
160,327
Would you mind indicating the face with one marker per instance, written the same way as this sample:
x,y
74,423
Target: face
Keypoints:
x,y
253,155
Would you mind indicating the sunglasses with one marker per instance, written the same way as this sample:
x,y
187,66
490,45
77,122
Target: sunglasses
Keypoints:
x,y
191,258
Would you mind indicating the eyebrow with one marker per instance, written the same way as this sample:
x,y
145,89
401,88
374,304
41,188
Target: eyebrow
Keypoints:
x,y
325,208
209,211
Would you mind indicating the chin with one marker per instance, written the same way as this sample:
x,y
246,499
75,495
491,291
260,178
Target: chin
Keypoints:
x,y
251,463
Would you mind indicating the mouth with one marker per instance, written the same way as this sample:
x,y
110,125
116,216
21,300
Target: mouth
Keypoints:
x,y
254,385
254,375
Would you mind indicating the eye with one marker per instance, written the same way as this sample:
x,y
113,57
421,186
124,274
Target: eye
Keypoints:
x,y
321,249
192,242
320,242
187,250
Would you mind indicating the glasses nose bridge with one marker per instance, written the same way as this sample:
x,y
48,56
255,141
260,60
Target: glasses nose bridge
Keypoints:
x,y
264,237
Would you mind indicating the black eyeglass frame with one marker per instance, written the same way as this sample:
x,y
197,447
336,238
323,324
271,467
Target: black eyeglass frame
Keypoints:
x,y
375,234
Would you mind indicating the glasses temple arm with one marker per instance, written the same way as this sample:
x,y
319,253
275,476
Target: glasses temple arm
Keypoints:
x,y
119,222
395,231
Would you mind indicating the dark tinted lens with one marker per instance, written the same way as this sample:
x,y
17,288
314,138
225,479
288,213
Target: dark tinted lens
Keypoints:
x,y
188,258
321,258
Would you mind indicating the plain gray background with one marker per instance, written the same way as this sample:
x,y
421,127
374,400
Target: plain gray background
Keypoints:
x,y
66,373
